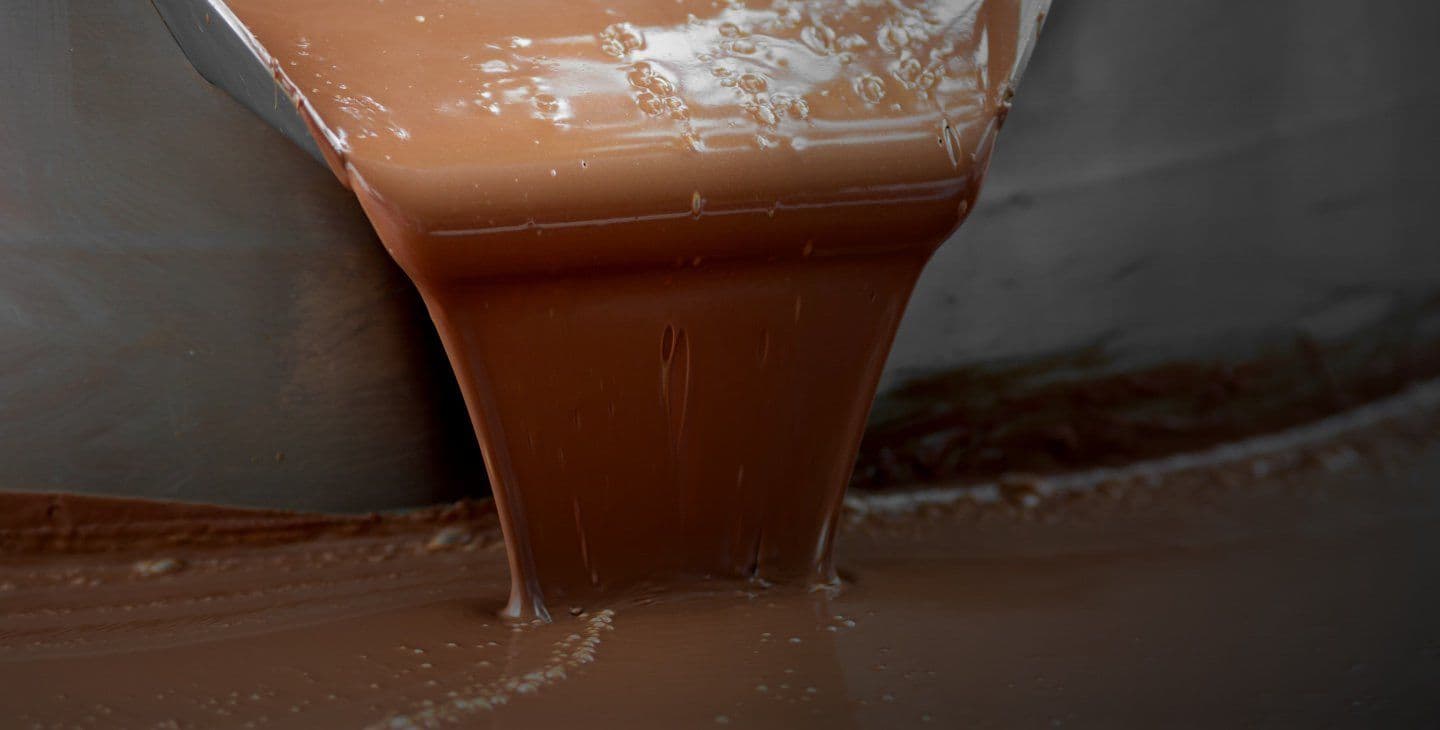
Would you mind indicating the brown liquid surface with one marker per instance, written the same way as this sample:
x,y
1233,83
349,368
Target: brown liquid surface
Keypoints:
x,y
666,245
1210,598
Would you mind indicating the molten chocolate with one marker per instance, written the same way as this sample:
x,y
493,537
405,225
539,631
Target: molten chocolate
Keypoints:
x,y
1185,591
666,245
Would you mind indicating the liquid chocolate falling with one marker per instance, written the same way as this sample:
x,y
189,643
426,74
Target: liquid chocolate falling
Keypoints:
x,y
666,245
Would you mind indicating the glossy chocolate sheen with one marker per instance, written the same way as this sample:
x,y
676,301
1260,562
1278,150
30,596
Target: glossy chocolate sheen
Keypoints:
x,y
666,245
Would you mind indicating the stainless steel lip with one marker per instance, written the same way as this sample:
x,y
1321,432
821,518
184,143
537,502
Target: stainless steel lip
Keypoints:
x,y
224,51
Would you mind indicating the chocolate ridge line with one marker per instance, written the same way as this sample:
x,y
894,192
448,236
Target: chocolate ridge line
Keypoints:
x,y
33,522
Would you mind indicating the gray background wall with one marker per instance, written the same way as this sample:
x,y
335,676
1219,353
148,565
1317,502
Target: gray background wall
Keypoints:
x,y
186,310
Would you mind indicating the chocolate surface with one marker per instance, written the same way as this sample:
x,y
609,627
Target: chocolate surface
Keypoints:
x,y
666,245
1230,593
1211,596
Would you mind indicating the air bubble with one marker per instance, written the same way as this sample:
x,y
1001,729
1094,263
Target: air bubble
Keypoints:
x,y
743,46
640,75
661,85
650,104
547,104
731,30
907,72
892,38
752,83
870,88
927,80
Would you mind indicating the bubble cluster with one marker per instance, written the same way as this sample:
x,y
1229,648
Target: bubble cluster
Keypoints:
x,y
881,48
655,93
794,106
735,40
658,96
620,39
891,56
752,81
568,654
